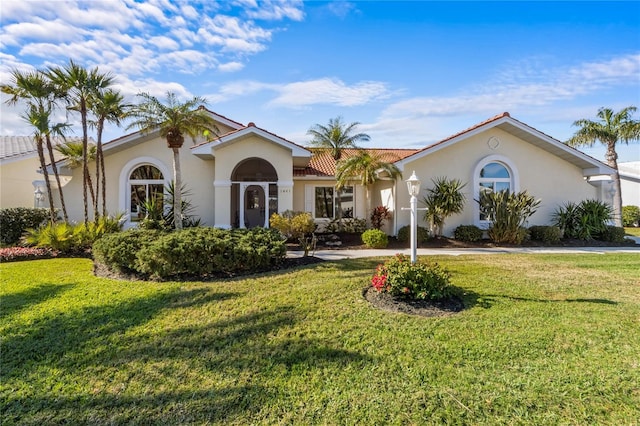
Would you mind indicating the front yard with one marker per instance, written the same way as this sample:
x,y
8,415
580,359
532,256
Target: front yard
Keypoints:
x,y
546,339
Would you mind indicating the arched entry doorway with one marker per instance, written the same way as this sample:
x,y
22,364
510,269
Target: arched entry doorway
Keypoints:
x,y
254,193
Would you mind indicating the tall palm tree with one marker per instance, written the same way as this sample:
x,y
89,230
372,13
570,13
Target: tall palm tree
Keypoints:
x,y
41,96
611,128
366,167
336,136
173,120
80,85
106,106
74,154
333,138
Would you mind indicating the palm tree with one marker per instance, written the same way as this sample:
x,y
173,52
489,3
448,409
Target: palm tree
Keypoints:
x,y
613,127
443,200
336,136
74,154
106,106
81,85
366,166
173,120
40,95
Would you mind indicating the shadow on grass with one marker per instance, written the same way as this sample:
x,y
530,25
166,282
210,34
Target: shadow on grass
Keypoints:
x,y
486,300
215,372
14,302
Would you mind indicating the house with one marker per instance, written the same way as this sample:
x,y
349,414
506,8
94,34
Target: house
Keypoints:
x,y
21,185
630,182
240,178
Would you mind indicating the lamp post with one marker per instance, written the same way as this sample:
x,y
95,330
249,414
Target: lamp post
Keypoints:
x,y
38,197
413,185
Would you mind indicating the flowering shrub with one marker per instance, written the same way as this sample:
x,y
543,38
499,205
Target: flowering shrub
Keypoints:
x,y
14,254
422,280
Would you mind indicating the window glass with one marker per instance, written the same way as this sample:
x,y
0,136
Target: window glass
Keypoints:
x,y
494,170
323,202
145,182
146,172
346,202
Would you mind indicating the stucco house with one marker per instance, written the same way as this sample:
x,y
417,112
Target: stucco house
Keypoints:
x,y
247,173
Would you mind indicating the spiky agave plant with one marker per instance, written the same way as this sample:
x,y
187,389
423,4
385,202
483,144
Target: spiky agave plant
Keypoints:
x,y
508,212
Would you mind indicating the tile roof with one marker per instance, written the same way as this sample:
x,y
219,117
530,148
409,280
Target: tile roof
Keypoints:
x,y
21,146
322,163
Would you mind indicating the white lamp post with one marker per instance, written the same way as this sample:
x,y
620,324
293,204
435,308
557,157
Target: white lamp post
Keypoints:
x,y
413,185
38,197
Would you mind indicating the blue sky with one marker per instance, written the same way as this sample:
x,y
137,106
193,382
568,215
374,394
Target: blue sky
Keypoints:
x,y
411,73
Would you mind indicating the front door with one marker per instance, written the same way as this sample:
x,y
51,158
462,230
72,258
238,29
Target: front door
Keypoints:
x,y
254,206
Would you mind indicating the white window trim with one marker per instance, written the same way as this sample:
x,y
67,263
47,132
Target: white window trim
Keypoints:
x,y
515,183
123,182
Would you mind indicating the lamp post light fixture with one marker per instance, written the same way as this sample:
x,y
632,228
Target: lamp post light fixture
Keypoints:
x,y
38,197
413,186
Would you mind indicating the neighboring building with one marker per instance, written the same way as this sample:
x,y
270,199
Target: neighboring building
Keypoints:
x,y
19,166
247,173
630,183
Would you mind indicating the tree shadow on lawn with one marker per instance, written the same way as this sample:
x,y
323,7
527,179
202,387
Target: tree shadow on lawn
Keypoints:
x,y
234,357
486,300
14,302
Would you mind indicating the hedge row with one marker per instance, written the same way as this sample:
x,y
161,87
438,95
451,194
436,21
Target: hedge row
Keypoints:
x,y
15,221
192,252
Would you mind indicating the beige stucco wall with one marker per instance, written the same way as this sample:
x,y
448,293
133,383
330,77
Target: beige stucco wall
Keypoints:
x,y
543,175
16,177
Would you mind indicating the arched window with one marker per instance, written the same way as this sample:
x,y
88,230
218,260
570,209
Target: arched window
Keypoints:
x,y
145,184
493,174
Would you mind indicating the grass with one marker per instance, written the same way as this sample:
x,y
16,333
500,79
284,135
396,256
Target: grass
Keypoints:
x,y
547,339
635,231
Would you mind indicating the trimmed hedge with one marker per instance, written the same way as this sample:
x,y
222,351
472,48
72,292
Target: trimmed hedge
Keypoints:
x,y
422,234
192,252
15,221
613,234
375,238
546,234
468,233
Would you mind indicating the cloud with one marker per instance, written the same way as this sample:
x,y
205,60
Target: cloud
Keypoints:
x,y
329,91
341,9
525,89
231,66
276,10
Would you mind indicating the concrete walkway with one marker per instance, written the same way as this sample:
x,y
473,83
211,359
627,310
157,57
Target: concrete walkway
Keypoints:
x,y
354,254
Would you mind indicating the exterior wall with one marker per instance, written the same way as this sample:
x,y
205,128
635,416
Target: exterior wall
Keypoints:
x,y
302,202
197,175
230,155
542,174
16,177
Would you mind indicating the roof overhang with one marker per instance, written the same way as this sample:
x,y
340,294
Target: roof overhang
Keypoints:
x,y
209,149
590,166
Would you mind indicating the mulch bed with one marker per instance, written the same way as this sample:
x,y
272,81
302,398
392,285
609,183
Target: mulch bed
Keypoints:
x,y
423,308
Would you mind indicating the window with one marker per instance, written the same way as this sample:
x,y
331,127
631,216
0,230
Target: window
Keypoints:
x,y
493,173
146,183
327,200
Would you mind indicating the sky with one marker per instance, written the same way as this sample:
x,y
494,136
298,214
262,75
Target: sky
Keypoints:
x,y
411,73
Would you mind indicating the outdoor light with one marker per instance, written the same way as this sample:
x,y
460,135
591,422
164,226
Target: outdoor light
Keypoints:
x,y
38,197
413,185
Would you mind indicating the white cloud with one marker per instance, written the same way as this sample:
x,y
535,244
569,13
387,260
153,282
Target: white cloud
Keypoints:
x,y
341,8
231,66
276,10
329,91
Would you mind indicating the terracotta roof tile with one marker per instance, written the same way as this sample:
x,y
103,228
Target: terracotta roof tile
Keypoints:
x,y
322,163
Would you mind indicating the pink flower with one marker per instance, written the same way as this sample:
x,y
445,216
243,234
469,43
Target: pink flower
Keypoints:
x,y
378,282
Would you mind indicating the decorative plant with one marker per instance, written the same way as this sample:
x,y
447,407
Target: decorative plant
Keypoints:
x,y
631,216
379,215
586,220
443,200
296,226
421,280
375,238
508,212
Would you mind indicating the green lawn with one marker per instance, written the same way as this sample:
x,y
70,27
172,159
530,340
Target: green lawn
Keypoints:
x,y
547,339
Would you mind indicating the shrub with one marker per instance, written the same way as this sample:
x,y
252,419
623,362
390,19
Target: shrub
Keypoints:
x,y
296,226
375,238
586,220
443,200
15,221
422,280
118,251
631,216
613,234
422,234
379,215
508,212
65,237
194,252
351,225
468,233
546,234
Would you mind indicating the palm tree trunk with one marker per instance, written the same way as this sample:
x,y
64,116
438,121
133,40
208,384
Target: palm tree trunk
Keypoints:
x,y
43,165
177,190
99,171
612,160
85,160
54,166
103,182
